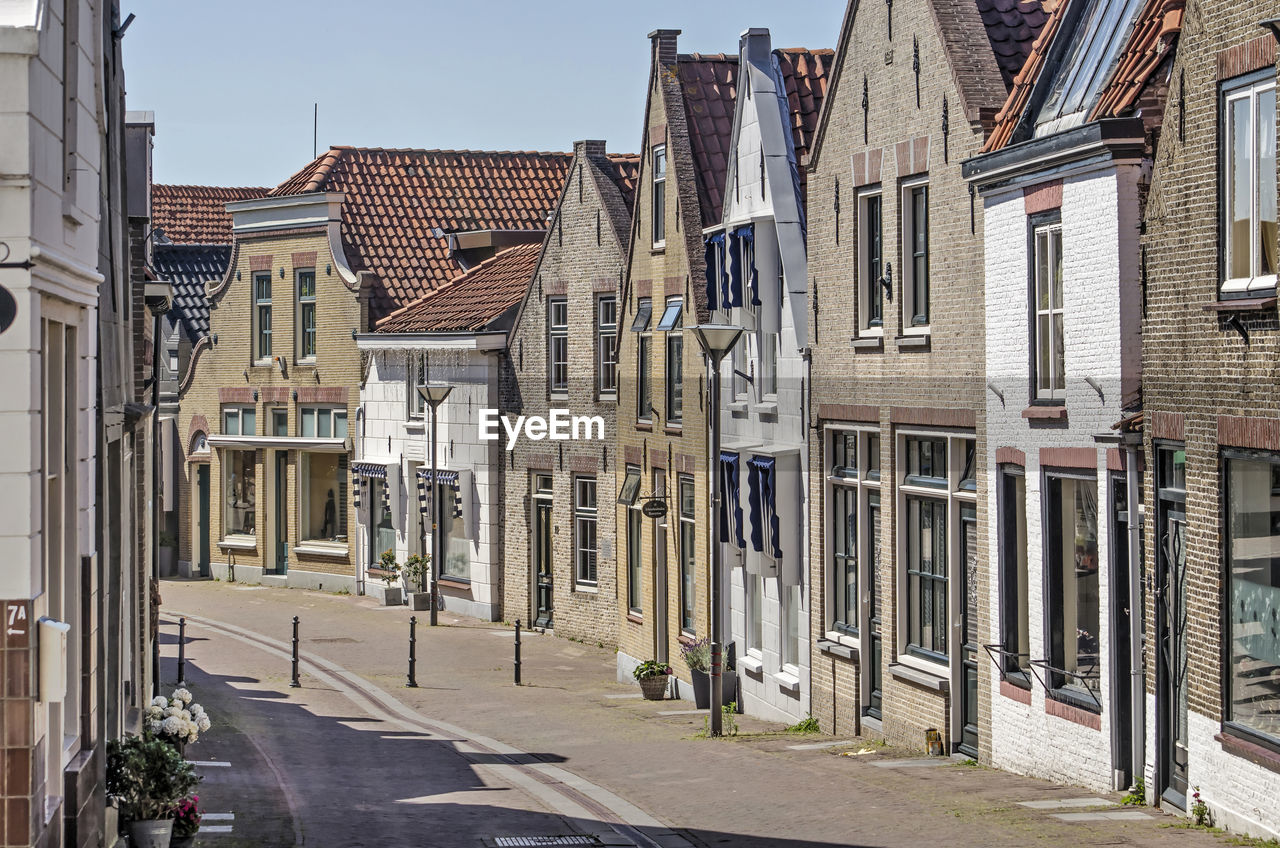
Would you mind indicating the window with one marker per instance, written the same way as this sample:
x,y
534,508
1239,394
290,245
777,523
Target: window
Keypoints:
x,y
456,545
630,486
262,314
241,487
1249,184
791,625
768,364
322,422
279,422
558,345
239,421
915,241
675,360
739,361
755,612
644,385
871,265
1253,595
1049,362
927,576
1015,625
324,497
417,380
635,527
607,345
1071,553
584,528
844,556
307,314
926,462
688,553
659,195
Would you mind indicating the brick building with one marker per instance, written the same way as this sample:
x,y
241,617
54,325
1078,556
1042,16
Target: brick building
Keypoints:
x,y
560,560
897,486
661,444
271,395
1211,337
454,336
757,279
1061,179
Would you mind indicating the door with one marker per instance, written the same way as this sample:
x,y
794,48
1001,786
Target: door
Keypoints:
x,y
544,581
1171,624
1121,631
874,668
970,643
281,529
202,519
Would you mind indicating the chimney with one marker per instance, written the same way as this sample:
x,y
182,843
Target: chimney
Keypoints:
x,y
664,45
755,46
590,147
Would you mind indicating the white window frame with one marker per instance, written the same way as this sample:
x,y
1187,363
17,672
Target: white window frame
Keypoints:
x,y
659,195
863,484
688,553
907,242
1252,88
1057,388
305,301
607,346
673,372
227,467
416,378
236,413
584,516
557,337
644,370
341,494
259,305
320,412
868,288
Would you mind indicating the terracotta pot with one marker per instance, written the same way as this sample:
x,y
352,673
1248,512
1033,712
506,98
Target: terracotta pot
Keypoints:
x,y
153,833
654,688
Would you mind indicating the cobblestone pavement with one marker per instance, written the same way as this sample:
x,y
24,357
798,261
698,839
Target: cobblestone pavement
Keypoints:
x,y
354,758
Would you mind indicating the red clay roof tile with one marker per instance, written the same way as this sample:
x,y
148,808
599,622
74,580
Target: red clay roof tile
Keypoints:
x,y
191,214
805,74
1012,27
709,85
473,301
1148,46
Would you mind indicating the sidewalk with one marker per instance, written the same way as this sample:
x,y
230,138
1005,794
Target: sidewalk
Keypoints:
x,y
757,789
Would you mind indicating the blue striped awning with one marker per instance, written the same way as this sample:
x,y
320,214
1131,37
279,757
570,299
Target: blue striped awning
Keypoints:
x,y
763,498
731,499
369,469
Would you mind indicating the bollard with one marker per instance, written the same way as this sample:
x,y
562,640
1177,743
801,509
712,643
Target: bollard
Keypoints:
x,y
413,651
182,652
294,684
517,652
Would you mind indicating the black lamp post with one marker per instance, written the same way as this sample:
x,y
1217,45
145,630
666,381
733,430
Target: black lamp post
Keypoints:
x,y
434,396
716,340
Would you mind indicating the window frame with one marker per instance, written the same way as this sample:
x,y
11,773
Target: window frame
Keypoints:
x,y
1054,614
688,556
853,483
326,411
341,496
262,329
228,467
635,560
557,338
238,411
273,419
584,517
305,301
606,347
1048,224
1014,610
644,363
912,287
658,179
415,378
1246,86
870,292
673,382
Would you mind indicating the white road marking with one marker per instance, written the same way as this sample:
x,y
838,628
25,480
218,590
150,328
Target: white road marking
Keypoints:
x,y
218,816
216,828
211,763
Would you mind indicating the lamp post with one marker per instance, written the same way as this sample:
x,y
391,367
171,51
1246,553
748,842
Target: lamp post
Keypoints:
x,y
716,340
434,396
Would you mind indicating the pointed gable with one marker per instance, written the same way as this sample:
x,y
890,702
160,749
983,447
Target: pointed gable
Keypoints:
x,y
708,84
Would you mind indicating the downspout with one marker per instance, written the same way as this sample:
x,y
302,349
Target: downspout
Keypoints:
x,y
1137,614
357,448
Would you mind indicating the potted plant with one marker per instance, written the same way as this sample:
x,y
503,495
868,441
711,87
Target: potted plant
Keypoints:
x,y
186,822
653,679
697,655
176,719
416,569
389,571
147,778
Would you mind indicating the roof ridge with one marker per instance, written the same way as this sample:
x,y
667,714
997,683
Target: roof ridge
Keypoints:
x,y
707,57
458,151
209,187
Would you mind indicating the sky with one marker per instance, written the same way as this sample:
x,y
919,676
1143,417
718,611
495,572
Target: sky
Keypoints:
x,y
233,83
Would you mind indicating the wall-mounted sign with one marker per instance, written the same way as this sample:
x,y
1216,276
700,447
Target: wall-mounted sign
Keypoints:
x,y
8,309
654,509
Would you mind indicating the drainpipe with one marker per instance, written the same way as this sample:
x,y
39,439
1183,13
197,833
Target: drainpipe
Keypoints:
x,y
158,297
1137,613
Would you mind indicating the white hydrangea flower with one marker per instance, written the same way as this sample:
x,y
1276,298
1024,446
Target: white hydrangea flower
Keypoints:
x,y
174,711
186,715
182,695
171,726
160,701
154,726
154,712
204,723
196,710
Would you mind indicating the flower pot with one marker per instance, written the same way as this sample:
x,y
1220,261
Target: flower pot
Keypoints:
x,y
420,600
701,688
183,842
153,833
654,688
392,596
729,689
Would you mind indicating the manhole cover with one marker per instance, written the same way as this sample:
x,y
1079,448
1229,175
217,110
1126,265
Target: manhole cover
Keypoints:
x,y
543,841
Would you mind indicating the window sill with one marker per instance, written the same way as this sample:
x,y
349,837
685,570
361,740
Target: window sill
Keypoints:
x,y
1251,751
455,582
788,682
867,344
673,429
913,341
322,549
751,665
644,426
659,247
1242,304
416,424
635,617
930,680
1014,692
738,406
1072,712
838,649
588,588
239,543
1056,412
765,408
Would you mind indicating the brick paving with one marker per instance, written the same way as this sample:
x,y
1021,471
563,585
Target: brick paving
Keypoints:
x,y
350,786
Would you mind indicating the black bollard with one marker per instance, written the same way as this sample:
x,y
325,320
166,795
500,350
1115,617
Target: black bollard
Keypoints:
x,y
182,652
517,652
294,684
413,651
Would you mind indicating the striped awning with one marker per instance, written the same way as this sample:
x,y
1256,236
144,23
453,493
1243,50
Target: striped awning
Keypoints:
x,y
369,469
445,478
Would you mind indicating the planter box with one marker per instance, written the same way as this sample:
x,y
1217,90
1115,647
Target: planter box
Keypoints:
x,y
391,595
420,600
702,689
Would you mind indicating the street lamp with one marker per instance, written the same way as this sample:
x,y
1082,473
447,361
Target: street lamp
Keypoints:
x,y
434,396
716,340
